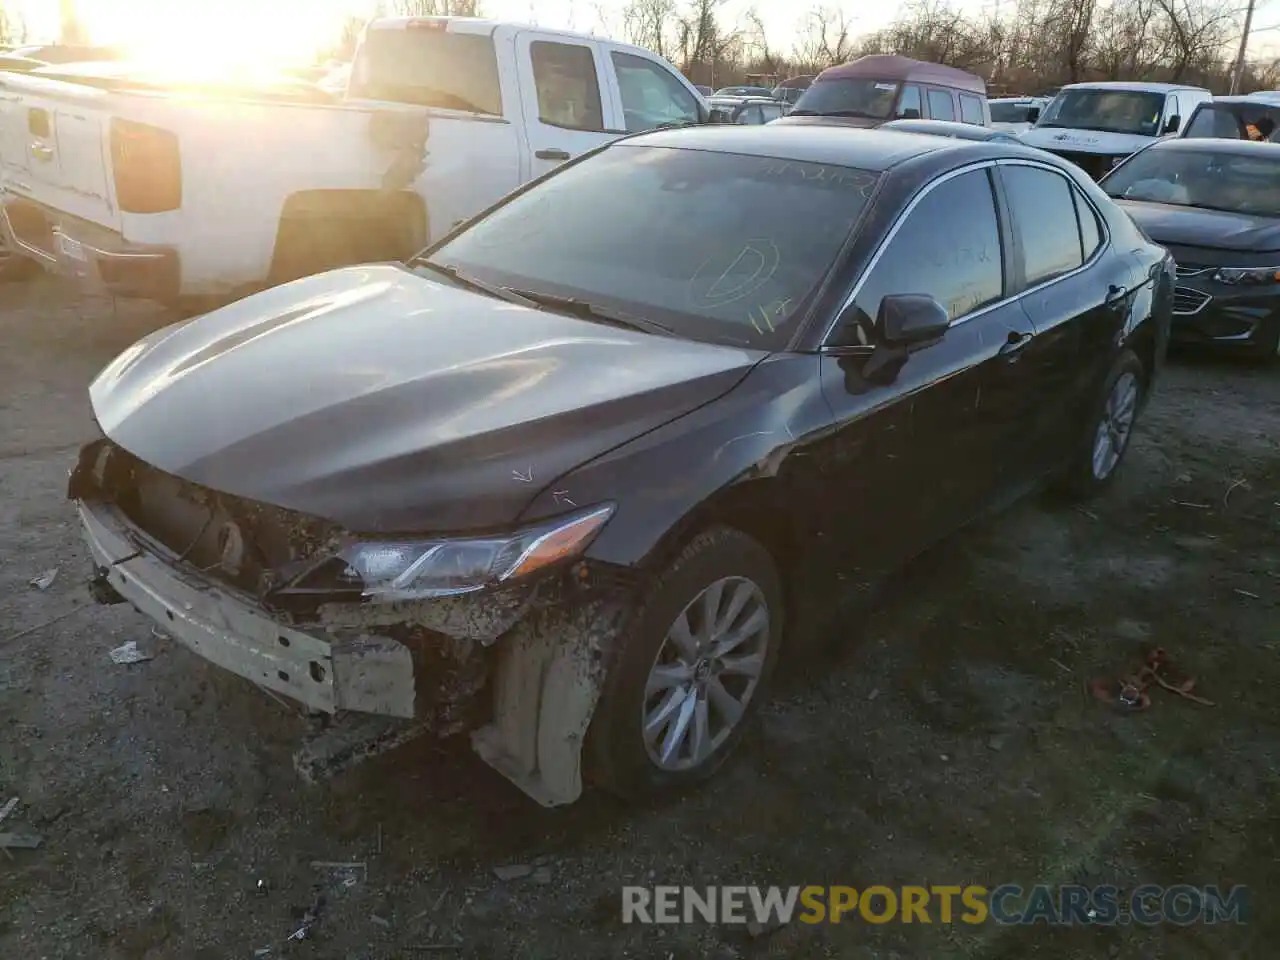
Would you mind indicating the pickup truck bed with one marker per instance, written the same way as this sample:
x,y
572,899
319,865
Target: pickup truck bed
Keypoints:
x,y
182,194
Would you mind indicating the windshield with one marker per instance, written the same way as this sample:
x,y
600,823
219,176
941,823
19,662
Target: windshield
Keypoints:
x,y
1213,180
716,246
1235,121
429,68
1009,112
1106,111
860,98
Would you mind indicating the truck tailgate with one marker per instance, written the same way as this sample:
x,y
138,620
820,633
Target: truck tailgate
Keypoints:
x,y
54,147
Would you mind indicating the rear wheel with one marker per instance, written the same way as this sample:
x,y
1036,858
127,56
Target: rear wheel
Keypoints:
x,y
1106,440
691,670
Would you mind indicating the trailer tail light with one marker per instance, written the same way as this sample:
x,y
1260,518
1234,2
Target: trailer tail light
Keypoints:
x,y
147,167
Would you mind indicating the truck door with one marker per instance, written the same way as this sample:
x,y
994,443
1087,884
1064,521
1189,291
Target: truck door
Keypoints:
x,y
561,97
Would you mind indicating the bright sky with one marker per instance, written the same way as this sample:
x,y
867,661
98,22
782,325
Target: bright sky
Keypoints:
x,y
187,30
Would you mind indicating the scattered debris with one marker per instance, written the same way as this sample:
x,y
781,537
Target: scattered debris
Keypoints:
x,y
20,841
512,871
309,919
380,921
1129,694
129,653
1246,593
875,692
542,876
1060,665
347,874
1184,478
1236,483
261,888
262,952
996,742
8,808
1088,513
944,758
45,580
1194,506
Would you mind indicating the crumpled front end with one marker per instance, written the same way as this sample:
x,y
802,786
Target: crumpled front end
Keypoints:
x,y
214,572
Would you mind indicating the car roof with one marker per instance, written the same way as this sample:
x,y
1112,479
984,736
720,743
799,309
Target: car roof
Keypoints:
x,y
873,150
753,98
967,131
1241,148
1138,86
886,66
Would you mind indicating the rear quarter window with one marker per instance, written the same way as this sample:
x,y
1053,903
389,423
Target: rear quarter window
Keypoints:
x,y
429,68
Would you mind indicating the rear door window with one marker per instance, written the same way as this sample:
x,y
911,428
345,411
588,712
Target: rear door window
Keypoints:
x,y
1044,217
428,68
940,105
567,85
651,95
971,109
1090,231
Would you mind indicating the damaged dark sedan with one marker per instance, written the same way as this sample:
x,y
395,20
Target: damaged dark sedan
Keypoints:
x,y
574,479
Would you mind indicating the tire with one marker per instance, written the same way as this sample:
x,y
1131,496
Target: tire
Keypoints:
x,y
1083,479
617,756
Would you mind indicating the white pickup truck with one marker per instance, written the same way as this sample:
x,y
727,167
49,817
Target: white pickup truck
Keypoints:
x,y
192,196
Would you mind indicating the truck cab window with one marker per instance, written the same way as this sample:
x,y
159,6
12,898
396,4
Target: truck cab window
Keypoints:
x,y
651,95
567,84
909,104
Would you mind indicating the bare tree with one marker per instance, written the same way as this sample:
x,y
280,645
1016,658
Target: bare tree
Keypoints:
x,y
435,8
71,29
827,39
648,23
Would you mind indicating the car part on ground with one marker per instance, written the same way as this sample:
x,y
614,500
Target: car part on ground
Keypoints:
x,y
531,488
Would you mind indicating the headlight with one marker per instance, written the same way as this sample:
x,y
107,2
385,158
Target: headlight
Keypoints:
x,y
1247,275
418,570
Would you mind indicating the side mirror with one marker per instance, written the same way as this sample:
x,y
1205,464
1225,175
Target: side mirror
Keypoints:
x,y
908,318
911,113
1171,125
1033,115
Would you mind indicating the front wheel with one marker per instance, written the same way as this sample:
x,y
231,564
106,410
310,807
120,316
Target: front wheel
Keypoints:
x,y
1110,428
691,668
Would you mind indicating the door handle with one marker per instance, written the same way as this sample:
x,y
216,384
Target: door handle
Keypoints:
x,y
41,151
1116,296
552,154
1014,344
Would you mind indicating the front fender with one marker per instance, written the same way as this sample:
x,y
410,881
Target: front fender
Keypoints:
x,y
762,428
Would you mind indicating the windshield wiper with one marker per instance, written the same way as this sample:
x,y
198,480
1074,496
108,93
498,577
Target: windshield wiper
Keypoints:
x,y
475,283
586,310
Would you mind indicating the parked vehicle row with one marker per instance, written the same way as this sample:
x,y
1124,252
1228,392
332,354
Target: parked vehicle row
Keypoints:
x,y
570,478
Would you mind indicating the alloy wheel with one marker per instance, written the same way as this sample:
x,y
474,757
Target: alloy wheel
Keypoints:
x,y
705,674
1115,425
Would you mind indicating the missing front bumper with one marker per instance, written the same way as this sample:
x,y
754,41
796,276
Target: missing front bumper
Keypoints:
x,y
367,674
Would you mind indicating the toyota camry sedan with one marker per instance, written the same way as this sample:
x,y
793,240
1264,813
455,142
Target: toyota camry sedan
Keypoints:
x,y
1214,205
572,480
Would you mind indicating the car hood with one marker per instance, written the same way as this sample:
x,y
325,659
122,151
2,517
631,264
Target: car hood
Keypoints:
x,y
383,401
1193,227
1084,141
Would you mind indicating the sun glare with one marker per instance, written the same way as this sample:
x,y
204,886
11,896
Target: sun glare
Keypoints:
x,y
230,37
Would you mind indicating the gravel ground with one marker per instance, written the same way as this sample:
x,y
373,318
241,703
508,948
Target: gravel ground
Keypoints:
x,y
947,738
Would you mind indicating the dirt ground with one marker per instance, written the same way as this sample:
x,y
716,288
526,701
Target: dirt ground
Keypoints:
x,y
950,739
